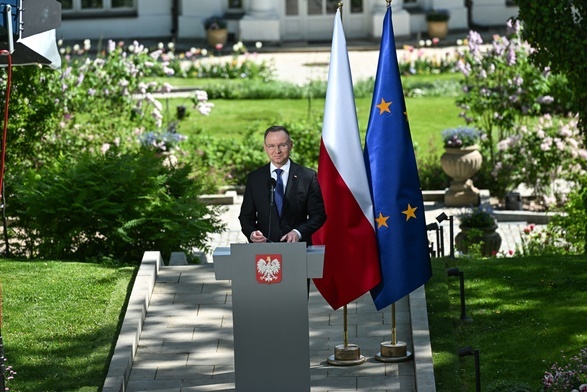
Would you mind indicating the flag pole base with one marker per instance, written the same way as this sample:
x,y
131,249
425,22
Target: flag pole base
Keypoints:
x,y
348,355
394,352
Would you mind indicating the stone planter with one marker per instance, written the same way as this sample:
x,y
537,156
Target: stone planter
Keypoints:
x,y
461,164
488,237
437,29
217,36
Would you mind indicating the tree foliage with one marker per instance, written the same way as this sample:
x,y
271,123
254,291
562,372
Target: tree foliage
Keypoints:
x,y
558,30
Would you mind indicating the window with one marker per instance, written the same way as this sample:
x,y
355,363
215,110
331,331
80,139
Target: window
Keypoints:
x,y
291,7
235,4
68,6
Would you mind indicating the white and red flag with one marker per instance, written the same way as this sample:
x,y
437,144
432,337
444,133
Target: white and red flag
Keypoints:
x,y
351,263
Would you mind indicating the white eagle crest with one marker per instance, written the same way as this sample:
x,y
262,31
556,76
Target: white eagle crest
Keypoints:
x,y
269,269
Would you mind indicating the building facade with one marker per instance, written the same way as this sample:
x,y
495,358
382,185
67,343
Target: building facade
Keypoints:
x,y
276,21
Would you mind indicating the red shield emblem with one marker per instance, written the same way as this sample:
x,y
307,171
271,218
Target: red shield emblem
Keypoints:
x,y
268,268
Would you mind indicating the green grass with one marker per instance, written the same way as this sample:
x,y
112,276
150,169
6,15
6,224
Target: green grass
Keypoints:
x,y
526,313
428,116
60,322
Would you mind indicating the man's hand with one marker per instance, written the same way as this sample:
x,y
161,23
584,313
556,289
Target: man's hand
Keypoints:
x,y
292,236
257,236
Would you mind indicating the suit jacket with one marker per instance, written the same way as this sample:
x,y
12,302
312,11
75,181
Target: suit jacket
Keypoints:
x,y
303,206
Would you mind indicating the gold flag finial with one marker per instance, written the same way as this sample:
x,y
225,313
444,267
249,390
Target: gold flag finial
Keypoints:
x,y
388,3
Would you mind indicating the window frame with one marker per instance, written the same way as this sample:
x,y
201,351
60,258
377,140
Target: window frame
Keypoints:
x,y
105,11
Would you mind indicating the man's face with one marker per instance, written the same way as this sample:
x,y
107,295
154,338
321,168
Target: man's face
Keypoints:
x,y
278,147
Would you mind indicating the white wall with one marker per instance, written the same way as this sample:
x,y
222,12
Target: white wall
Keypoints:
x,y
153,20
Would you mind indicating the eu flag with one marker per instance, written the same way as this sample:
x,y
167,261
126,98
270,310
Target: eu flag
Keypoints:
x,y
392,173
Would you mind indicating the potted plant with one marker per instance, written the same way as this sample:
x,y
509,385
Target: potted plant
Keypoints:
x,y
460,161
437,23
216,30
460,137
478,227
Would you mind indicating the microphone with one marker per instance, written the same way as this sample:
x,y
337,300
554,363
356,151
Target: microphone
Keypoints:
x,y
271,184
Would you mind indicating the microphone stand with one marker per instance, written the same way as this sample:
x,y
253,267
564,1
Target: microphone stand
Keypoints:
x,y
272,184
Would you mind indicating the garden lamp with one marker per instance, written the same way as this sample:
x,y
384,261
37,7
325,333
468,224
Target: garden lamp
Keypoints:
x,y
456,272
434,227
463,352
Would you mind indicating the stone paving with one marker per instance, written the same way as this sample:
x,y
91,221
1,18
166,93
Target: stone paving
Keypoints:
x,y
177,332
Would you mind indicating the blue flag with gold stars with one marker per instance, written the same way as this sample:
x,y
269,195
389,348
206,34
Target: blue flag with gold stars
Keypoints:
x,y
393,177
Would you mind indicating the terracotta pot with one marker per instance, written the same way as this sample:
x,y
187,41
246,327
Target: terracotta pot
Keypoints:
x,y
437,29
488,237
218,36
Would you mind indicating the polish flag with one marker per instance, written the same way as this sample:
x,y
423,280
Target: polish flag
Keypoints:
x,y
351,263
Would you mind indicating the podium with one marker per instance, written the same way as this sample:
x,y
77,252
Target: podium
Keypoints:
x,y
270,312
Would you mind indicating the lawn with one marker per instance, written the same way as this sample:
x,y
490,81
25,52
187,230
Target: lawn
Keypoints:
x,y
429,116
527,313
61,320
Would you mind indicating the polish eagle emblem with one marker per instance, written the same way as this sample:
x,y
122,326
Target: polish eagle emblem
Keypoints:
x,y
268,268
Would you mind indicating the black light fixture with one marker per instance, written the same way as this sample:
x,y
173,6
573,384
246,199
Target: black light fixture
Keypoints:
x,y
434,227
456,272
465,351
27,31
441,218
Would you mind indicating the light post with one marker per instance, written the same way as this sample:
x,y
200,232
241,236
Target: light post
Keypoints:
x,y
456,272
463,352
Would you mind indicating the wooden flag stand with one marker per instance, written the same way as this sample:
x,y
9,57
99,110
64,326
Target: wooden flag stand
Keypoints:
x,y
346,354
394,351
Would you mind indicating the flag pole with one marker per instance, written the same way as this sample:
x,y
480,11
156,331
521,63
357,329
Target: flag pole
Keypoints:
x,y
394,350
346,354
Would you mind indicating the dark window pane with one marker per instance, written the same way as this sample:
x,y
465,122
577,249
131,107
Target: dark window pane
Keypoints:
x,y
291,7
356,6
122,3
238,4
92,4
66,4
314,7
331,6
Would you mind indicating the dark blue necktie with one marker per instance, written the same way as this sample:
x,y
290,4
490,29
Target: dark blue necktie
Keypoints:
x,y
279,190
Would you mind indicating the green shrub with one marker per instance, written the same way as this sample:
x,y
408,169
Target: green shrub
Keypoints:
x,y
229,161
430,170
108,207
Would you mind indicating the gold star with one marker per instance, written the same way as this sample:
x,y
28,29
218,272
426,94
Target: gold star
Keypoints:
x,y
406,114
410,212
381,220
384,106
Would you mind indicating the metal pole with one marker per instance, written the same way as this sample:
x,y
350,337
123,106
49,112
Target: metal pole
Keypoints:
x,y
441,245
393,327
346,329
452,239
462,284
477,372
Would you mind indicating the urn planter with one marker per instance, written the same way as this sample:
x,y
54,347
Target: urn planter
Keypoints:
x,y
437,29
217,36
488,237
461,164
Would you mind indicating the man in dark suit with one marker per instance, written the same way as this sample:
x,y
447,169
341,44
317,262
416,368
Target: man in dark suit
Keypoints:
x,y
287,185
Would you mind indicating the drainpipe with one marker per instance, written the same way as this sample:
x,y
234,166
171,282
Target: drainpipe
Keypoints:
x,y
174,20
